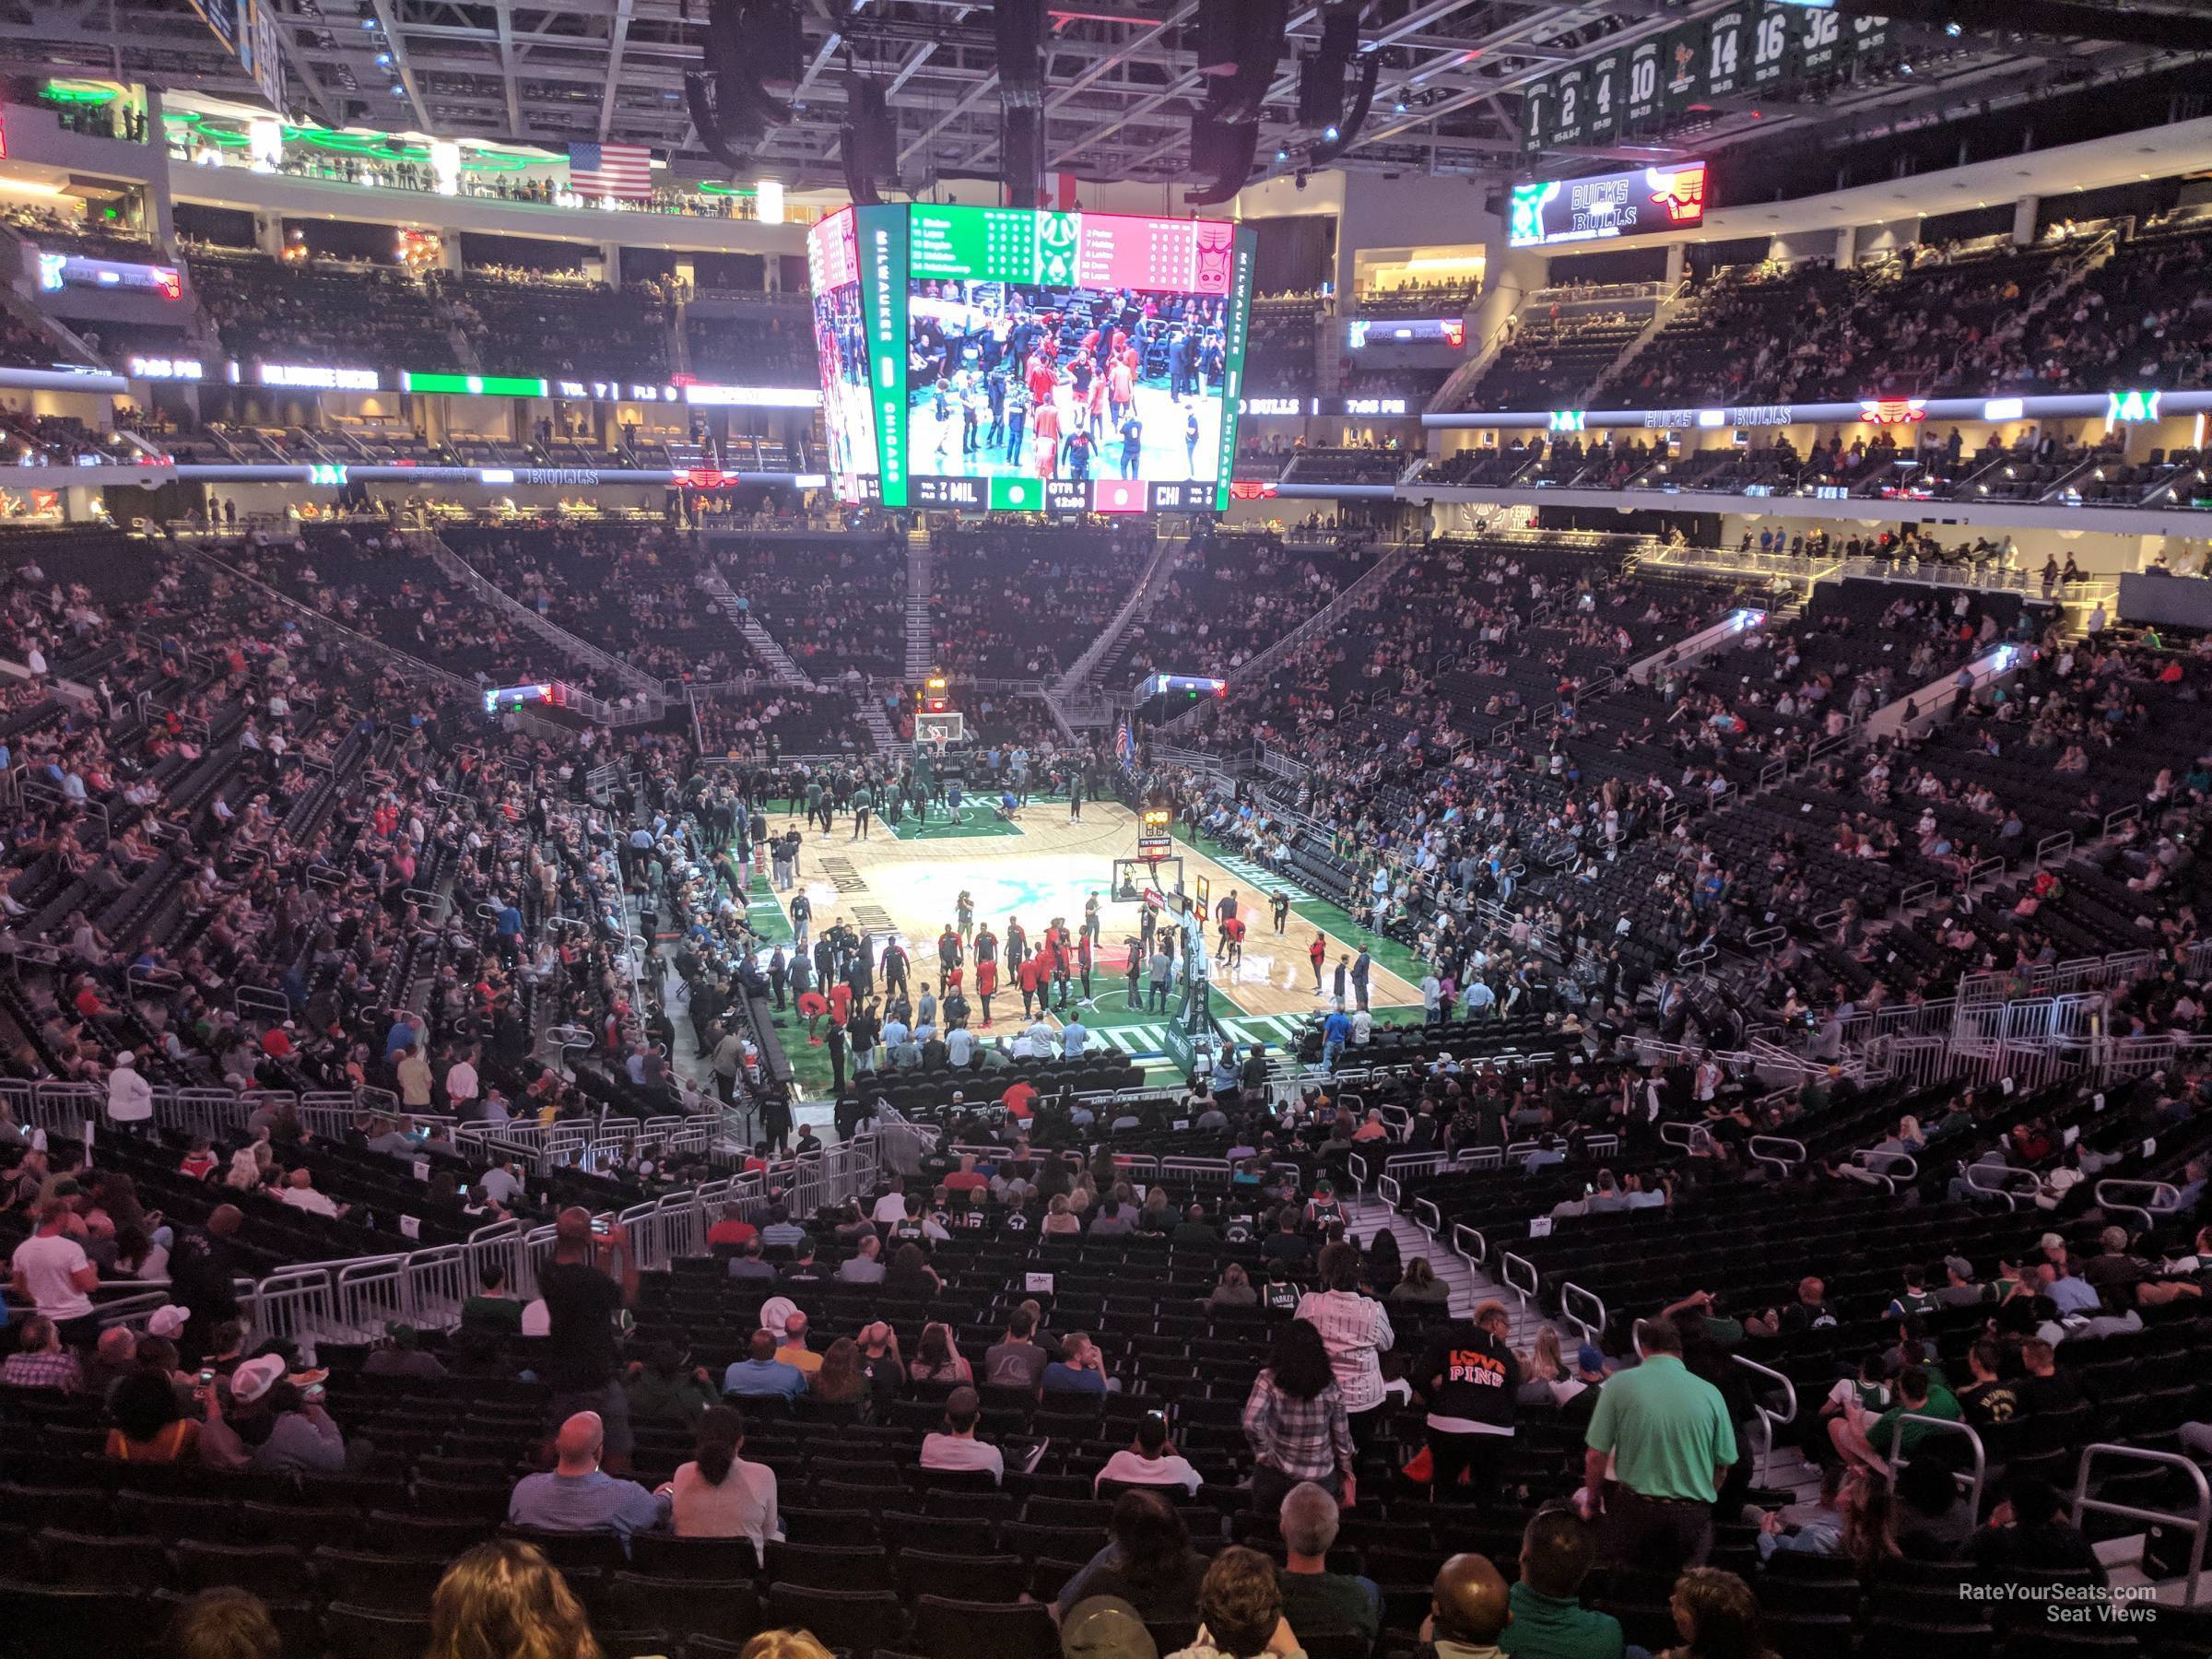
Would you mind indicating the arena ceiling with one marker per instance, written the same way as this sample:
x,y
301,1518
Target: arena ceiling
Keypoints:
x,y
1120,84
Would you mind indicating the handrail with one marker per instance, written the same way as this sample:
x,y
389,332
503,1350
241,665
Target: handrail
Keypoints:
x,y
1947,1426
1481,1251
1529,1292
1769,1419
2009,1187
2199,1524
2163,1195
1889,1168
1777,1149
1568,1292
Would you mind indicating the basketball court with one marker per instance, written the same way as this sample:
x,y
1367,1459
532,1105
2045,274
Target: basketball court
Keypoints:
x,y
1042,866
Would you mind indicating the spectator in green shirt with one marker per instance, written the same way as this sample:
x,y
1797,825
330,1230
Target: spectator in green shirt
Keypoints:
x,y
1549,1622
493,1310
1867,1442
662,1391
1721,1326
1669,1442
1315,1599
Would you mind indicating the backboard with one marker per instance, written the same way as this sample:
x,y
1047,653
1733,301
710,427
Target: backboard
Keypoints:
x,y
1156,876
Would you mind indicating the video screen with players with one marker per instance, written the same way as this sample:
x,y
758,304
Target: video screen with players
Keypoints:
x,y
1035,362
842,347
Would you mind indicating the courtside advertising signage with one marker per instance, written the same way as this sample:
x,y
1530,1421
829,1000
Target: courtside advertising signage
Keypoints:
x,y
1644,203
1003,359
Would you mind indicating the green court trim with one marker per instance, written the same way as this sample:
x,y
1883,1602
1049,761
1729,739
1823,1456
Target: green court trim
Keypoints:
x,y
764,912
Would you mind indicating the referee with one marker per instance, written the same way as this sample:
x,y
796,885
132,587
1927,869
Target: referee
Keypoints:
x,y
1670,1442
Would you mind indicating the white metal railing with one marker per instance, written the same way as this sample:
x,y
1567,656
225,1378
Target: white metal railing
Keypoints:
x,y
1574,1297
1510,1264
2197,1520
2002,1181
2152,1201
1769,1419
1468,1243
1942,1426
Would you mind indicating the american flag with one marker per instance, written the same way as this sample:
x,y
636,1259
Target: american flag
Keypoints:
x,y
610,170
1125,745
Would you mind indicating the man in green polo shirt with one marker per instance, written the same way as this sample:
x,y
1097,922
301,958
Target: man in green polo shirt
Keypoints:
x,y
1548,1622
1670,1443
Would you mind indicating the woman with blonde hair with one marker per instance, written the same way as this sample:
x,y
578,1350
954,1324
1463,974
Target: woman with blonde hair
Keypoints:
x,y
1542,1366
1716,1615
245,1168
505,1600
1060,1219
783,1644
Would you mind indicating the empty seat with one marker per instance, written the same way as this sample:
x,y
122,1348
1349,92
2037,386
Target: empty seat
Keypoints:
x,y
355,1633
390,1584
838,1618
682,1605
991,1578
974,1629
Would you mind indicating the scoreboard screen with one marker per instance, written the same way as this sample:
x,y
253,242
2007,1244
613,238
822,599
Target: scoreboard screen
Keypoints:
x,y
1607,205
1005,359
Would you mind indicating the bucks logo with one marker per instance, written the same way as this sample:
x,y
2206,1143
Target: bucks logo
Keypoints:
x,y
1057,238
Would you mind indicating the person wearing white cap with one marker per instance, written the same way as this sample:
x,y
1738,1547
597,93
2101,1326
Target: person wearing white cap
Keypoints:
x,y
273,1426
130,1096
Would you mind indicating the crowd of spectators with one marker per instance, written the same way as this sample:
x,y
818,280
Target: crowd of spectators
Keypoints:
x,y
1926,320
538,327
837,604
320,313
1015,602
1278,351
265,804
663,624
756,346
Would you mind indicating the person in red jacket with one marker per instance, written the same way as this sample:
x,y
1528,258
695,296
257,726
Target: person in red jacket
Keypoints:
x,y
1317,953
1033,976
1083,962
1232,937
986,981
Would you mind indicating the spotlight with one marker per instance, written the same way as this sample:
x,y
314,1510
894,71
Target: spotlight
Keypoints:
x,y
399,90
1953,29
1401,106
384,60
369,23
1328,133
1281,153
1904,68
